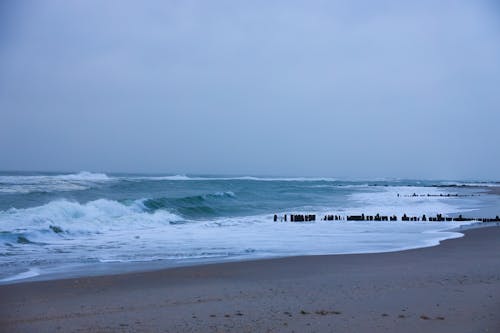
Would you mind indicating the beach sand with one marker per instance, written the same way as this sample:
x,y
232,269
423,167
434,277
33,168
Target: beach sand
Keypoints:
x,y
453,287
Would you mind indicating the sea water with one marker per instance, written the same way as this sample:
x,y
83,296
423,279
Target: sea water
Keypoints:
x,y
54,225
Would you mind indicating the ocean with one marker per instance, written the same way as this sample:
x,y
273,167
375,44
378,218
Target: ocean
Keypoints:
x,y
59,224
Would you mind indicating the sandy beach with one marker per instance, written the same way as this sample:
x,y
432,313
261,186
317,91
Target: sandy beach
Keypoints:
x,y
453,287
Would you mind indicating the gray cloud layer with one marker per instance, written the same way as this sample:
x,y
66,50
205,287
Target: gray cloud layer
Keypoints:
x,y
353,89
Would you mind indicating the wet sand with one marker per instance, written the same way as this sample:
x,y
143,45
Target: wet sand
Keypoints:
x,y
453,287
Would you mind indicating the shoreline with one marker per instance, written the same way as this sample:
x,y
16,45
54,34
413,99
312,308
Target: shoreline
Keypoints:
x,y
452,287
149,250
120,268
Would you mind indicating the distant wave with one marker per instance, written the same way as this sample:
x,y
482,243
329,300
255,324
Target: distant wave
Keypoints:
x,y
84,176
338,181
251,178
339,185
468,184
80,176
51,183
175,177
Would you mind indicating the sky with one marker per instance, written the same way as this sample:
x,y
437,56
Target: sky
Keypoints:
x,y
406,89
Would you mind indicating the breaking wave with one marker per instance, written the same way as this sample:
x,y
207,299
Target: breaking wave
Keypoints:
x,y
196,206
63,218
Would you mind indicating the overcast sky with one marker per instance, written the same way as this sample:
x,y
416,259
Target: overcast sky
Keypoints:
x,y
305,88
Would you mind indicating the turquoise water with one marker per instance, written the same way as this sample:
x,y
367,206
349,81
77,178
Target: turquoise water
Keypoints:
x,y
56,222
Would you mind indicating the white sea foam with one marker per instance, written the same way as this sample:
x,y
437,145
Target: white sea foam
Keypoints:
x,y
108,231
385,200
21,276
84,176
175,177
73,218
223,194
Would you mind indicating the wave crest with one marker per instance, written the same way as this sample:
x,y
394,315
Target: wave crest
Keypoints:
x,y
195,206
62,218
